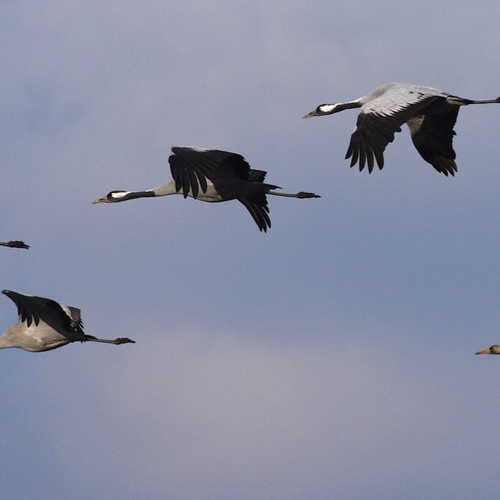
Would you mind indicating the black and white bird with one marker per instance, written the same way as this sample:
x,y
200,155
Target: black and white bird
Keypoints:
x,y
213,176
494,349
44,325
430,114
14,244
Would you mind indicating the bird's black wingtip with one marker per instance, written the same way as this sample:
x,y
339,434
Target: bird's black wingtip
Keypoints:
x,y
12,295
15,244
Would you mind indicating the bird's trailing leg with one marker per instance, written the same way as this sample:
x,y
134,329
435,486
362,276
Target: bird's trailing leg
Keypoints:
x,y
302,194
119,341
123,340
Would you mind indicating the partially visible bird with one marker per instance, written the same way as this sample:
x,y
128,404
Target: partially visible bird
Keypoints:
x,y
212,175
14,244
430,114
44,324
494,349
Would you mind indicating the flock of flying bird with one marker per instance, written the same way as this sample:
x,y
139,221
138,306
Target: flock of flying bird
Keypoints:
x,y
215,176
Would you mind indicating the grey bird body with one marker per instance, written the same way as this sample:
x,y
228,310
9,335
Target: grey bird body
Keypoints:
x,y
213,176
43,325
429,113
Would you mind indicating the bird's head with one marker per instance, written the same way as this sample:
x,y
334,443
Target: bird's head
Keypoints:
x,y
494,349
112,197
322,110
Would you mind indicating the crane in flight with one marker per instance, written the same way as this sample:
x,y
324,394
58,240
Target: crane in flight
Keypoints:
x,y
43,325
213,176
429,113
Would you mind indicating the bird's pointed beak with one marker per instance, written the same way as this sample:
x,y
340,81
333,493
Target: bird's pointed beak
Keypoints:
x,y
484,351
312,113
101,200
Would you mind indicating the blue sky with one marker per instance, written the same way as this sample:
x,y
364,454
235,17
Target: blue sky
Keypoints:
x,y
332,357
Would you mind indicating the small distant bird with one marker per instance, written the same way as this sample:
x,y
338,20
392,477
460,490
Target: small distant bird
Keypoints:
x,y
14,244
44,324
494,349
211,175
430,114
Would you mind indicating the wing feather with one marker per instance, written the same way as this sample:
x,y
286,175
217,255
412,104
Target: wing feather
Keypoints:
x,y
230,174
32,309
380,119
256,204
432,136
191,167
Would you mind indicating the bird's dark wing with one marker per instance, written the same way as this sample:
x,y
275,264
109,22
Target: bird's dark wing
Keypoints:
x,y
258,176
29,307
256,204
191,167
432,135
379,120
33,309
230,174
15,244
76,316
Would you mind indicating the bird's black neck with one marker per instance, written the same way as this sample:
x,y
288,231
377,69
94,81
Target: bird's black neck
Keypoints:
x,y
137,194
